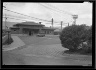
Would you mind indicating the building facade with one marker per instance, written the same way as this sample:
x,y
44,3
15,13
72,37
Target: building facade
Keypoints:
x,y
30,27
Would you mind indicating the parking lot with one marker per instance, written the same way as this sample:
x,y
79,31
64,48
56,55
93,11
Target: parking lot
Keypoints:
x,y
44,50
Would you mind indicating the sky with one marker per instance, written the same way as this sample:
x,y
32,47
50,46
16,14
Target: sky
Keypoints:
x,y
58,11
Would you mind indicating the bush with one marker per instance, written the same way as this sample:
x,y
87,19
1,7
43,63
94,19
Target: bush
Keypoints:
x,y
72,36
8,41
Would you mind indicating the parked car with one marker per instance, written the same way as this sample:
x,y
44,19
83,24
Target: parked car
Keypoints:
x,y
41,35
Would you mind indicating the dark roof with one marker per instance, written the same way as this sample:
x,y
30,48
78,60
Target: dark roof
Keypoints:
x,y
29,23
14,27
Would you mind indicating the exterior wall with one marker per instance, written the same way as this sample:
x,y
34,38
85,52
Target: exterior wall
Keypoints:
x,y
35,29
48,31
14,31
21,31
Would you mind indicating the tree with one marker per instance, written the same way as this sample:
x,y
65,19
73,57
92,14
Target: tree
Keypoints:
x,y
72,36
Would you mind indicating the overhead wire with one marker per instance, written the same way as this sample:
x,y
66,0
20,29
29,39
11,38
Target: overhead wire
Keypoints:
x,y
14,18
26,15
30,16
54,9
59,9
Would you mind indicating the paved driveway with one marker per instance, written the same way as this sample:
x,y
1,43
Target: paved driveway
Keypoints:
x,y
43,51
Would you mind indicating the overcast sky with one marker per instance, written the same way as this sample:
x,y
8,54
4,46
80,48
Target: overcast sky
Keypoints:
x,y
48,11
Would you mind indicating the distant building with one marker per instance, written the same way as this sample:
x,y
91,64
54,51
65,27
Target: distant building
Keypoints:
x,y
57,31
30,27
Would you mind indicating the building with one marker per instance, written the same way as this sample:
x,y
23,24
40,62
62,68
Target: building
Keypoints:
x,y
30,27
57,31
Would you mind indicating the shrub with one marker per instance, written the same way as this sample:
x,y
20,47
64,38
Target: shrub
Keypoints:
x,y
72,36
8,41
89,41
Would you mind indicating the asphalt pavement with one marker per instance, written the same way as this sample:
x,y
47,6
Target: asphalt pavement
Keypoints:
x,y
43,51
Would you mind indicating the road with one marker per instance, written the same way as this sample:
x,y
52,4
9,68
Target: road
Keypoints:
x,y
43,51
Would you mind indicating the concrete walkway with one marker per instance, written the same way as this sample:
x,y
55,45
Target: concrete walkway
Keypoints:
x,y
17,42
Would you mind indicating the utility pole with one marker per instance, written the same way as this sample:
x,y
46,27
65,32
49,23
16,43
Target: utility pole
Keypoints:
x,y
61,24
52,22
5,21
6,28
68,24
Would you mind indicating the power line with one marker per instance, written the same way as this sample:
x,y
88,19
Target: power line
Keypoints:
x,y
49,8
20,18
14,18
28,16
59,9
24,18
56,10
25,15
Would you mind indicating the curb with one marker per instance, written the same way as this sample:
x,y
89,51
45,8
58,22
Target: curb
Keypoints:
x,y
17,42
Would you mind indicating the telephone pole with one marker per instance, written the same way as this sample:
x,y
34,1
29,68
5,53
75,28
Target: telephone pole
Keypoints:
x,y
61,24
5,21
52,22
68,24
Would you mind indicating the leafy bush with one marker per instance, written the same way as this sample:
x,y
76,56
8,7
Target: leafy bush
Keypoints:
x,y
72,36
89,41
8,41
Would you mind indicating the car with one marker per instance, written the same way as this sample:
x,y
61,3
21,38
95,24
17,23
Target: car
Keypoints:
x,y
41,35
